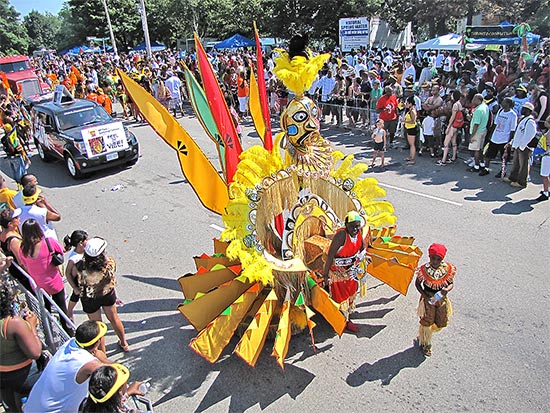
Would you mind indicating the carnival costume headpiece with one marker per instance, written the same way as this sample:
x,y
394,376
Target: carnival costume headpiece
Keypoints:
x,y
310,154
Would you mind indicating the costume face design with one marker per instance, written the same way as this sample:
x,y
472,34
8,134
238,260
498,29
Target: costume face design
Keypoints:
x,y
300,122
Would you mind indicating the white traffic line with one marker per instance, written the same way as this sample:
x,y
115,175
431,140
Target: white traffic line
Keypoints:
x,y
420,194
217,227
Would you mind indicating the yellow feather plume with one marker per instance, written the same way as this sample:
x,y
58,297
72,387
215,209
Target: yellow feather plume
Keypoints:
x,y
299,73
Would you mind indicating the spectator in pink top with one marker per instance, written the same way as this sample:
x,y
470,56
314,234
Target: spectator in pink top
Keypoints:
x,y
37,259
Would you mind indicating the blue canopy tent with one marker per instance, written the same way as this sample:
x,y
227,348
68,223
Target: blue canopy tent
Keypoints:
x,y
75,51
155,47
235,41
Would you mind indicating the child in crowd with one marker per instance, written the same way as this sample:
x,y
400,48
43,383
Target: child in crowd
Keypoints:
x,y
74,244
379,137
428,131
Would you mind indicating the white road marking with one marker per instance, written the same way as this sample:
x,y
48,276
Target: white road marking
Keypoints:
x,y
420,194
217,227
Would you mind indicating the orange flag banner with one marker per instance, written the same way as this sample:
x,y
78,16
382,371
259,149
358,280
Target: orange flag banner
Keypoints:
x,y
220,112
255,107
199,171
267,136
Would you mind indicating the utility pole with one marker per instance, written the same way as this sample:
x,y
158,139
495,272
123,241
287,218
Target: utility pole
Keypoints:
x,y
145,29
110,28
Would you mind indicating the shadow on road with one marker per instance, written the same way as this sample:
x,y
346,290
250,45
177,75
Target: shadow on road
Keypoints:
x,y
170,284
387,368
515,208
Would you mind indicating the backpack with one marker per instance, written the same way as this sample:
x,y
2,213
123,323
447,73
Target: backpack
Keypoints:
x,y
7,144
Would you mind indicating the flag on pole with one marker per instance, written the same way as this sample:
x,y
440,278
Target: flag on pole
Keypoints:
x,y
204,114
255,107
220,112
5,82
264,105
199,171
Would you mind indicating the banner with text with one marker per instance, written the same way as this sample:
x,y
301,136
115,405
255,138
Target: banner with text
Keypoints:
x,y
103,139
354,33
491,32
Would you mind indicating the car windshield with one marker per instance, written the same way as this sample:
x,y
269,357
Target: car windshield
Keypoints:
x,y
15,66
82,117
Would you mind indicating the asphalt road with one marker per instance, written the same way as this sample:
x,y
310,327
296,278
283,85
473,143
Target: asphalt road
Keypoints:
x,y
493,356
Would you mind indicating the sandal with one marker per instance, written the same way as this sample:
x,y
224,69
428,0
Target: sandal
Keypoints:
x,y
441,163
407,159
427,350
411,162
125,348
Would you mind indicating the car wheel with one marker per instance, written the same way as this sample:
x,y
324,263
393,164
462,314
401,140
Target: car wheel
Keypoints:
x,y
132,162
42,152
72,169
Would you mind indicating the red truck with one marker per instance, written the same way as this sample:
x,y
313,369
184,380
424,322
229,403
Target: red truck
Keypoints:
x,y
20,75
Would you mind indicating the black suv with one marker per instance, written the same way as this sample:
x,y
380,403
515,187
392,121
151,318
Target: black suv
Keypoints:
x,y
82,134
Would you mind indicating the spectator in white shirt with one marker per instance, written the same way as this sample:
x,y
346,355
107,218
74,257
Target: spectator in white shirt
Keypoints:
x,y
409,71
505,126
526,130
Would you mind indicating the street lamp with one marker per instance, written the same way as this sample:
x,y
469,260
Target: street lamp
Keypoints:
x,y
143,13
110,28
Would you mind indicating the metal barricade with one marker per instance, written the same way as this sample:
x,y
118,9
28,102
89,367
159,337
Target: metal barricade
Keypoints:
x,y
50,331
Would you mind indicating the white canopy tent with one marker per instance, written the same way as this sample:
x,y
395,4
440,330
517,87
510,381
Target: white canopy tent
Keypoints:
x,y
451,41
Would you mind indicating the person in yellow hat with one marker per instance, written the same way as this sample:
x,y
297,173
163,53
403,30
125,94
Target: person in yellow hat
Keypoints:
x,y
346,252
63,383
108,390
519,99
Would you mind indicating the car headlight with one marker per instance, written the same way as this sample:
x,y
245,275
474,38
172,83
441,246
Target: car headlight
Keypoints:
x,y
80,146
130,137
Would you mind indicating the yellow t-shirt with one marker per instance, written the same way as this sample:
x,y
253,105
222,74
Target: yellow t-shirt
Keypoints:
x,y
6,198
409,124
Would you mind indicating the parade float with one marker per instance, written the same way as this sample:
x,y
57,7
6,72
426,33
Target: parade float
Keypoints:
x,y
280,203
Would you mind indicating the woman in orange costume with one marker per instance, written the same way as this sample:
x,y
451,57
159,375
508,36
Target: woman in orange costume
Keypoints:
x,y
340,273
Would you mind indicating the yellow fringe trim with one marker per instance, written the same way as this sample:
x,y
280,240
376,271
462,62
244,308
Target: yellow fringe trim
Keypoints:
x,y
424,335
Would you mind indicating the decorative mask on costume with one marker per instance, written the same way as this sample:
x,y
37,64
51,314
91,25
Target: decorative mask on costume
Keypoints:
x,y
311,154
300,122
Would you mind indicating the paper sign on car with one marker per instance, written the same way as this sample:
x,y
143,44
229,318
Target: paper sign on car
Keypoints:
x,y
103,139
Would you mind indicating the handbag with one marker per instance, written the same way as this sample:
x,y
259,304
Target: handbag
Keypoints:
x,y
57,257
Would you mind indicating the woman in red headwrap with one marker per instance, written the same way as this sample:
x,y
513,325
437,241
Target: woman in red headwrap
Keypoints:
x,y
434,280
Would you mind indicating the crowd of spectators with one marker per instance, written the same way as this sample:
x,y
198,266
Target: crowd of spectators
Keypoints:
x,y
433,99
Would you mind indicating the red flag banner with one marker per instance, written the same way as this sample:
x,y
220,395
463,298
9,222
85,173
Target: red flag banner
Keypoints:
x,y
220,112
268,137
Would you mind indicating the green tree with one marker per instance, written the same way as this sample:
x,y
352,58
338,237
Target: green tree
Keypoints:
x,y
13,36
41,29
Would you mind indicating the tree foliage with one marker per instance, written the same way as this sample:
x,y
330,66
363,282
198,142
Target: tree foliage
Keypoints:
x,y
13,36
42,30
170,20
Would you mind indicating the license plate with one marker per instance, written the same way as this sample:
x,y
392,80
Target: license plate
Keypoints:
x,y
111,156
